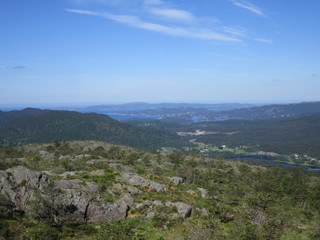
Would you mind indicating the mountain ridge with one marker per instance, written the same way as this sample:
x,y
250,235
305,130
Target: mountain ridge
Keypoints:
x,y
66,125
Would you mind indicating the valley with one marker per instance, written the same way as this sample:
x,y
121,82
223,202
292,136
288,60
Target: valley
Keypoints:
x,y
159,120
72,175
294,139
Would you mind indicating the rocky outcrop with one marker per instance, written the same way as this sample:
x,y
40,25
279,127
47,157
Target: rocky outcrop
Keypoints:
x,y
79,201
26,177
133,190
106,212
184,210
136,180
127,199
204,193
150,215
63,200
20,184
176,180
75,198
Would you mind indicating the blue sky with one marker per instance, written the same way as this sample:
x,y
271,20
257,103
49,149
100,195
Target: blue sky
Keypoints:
x,y
113,51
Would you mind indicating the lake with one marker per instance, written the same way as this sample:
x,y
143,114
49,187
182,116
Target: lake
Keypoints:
x,y
272,160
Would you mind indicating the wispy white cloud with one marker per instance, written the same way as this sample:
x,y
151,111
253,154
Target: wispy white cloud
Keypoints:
x,y
241,32
164,11
173,14
249,6
134,21
262,40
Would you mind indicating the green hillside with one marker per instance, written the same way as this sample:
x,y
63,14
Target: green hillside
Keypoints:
x,y
50,191
7,116
300,135
65,125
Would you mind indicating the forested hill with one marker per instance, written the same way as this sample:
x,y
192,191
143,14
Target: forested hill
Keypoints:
x,y
66,125
271,111
299,135
7,116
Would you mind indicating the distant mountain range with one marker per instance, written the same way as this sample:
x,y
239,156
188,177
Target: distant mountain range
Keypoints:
x,y
189,113
42,126
289,128
279,128
268,112
185,112
152,106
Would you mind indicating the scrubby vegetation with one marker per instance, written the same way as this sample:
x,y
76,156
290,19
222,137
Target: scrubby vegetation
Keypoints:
x,y
229,200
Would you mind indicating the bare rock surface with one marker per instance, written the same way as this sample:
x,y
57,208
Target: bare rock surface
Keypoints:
x,y
184,210
19,185
136,180
127,199
106,212
31,179
62,200
176,180
204,193
133,190
76,200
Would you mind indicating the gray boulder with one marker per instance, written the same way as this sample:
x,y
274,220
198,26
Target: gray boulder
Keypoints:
x,y
176,180
127,199
204,193
136,180
184,210
106,212
133,190
157,203
24,176
204,212
150,215
19,185
191,192
59,201
144,204
74,199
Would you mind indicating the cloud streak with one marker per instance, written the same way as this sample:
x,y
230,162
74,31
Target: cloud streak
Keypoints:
x,y
173,14
133,21
262,40
249,6
20,67
241,32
